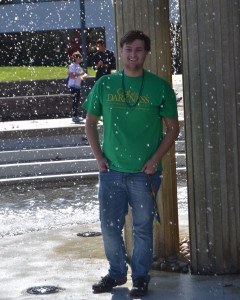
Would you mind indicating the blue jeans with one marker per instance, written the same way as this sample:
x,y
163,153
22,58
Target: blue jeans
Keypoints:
x,y
116,191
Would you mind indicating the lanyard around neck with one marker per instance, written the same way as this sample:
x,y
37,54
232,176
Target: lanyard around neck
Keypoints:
x,y
124,92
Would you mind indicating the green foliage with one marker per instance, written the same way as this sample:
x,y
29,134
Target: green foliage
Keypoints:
x,y
35,73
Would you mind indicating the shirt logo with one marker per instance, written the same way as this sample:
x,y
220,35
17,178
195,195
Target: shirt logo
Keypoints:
x,y
118,101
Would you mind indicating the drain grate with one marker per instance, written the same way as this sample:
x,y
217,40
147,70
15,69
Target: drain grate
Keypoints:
x,y
44,289
89,234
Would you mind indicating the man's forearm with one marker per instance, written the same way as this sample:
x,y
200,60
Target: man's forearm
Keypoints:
x,y
93,139
165,145
168,140
151,165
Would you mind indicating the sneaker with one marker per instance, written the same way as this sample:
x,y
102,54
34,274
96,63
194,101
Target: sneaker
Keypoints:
x,y
106,284
140,287
77,119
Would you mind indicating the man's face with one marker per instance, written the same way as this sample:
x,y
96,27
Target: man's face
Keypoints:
x,y
133,56
100,47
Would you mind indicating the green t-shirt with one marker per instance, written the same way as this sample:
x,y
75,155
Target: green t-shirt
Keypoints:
x,y
131,135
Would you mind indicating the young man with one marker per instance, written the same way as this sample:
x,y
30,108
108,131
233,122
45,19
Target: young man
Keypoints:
x,y
133,103
103,60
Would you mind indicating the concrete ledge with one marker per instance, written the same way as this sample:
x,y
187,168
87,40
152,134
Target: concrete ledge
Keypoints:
x,y
41,99
36,87
21,142
180,160
35,107
43,127
42,134
48,180
48,168
34,155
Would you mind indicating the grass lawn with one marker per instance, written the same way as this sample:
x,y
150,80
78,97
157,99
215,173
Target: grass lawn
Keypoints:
x,y
35,73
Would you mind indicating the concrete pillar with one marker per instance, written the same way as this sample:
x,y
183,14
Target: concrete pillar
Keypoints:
x,y
152,17
210,37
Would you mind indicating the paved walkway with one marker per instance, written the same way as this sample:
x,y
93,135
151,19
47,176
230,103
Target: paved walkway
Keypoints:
x,y
61,258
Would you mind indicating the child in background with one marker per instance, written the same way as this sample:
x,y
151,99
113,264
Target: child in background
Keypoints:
x,y
75,76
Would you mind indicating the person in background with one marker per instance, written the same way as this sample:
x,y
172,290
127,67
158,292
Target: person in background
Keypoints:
x,y
132,102
103,60
74,84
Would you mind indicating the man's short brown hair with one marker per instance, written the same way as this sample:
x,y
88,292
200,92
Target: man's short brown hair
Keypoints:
x,y
133,35
101,42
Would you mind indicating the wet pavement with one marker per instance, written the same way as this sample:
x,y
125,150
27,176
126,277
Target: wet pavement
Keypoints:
x,y
60,258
